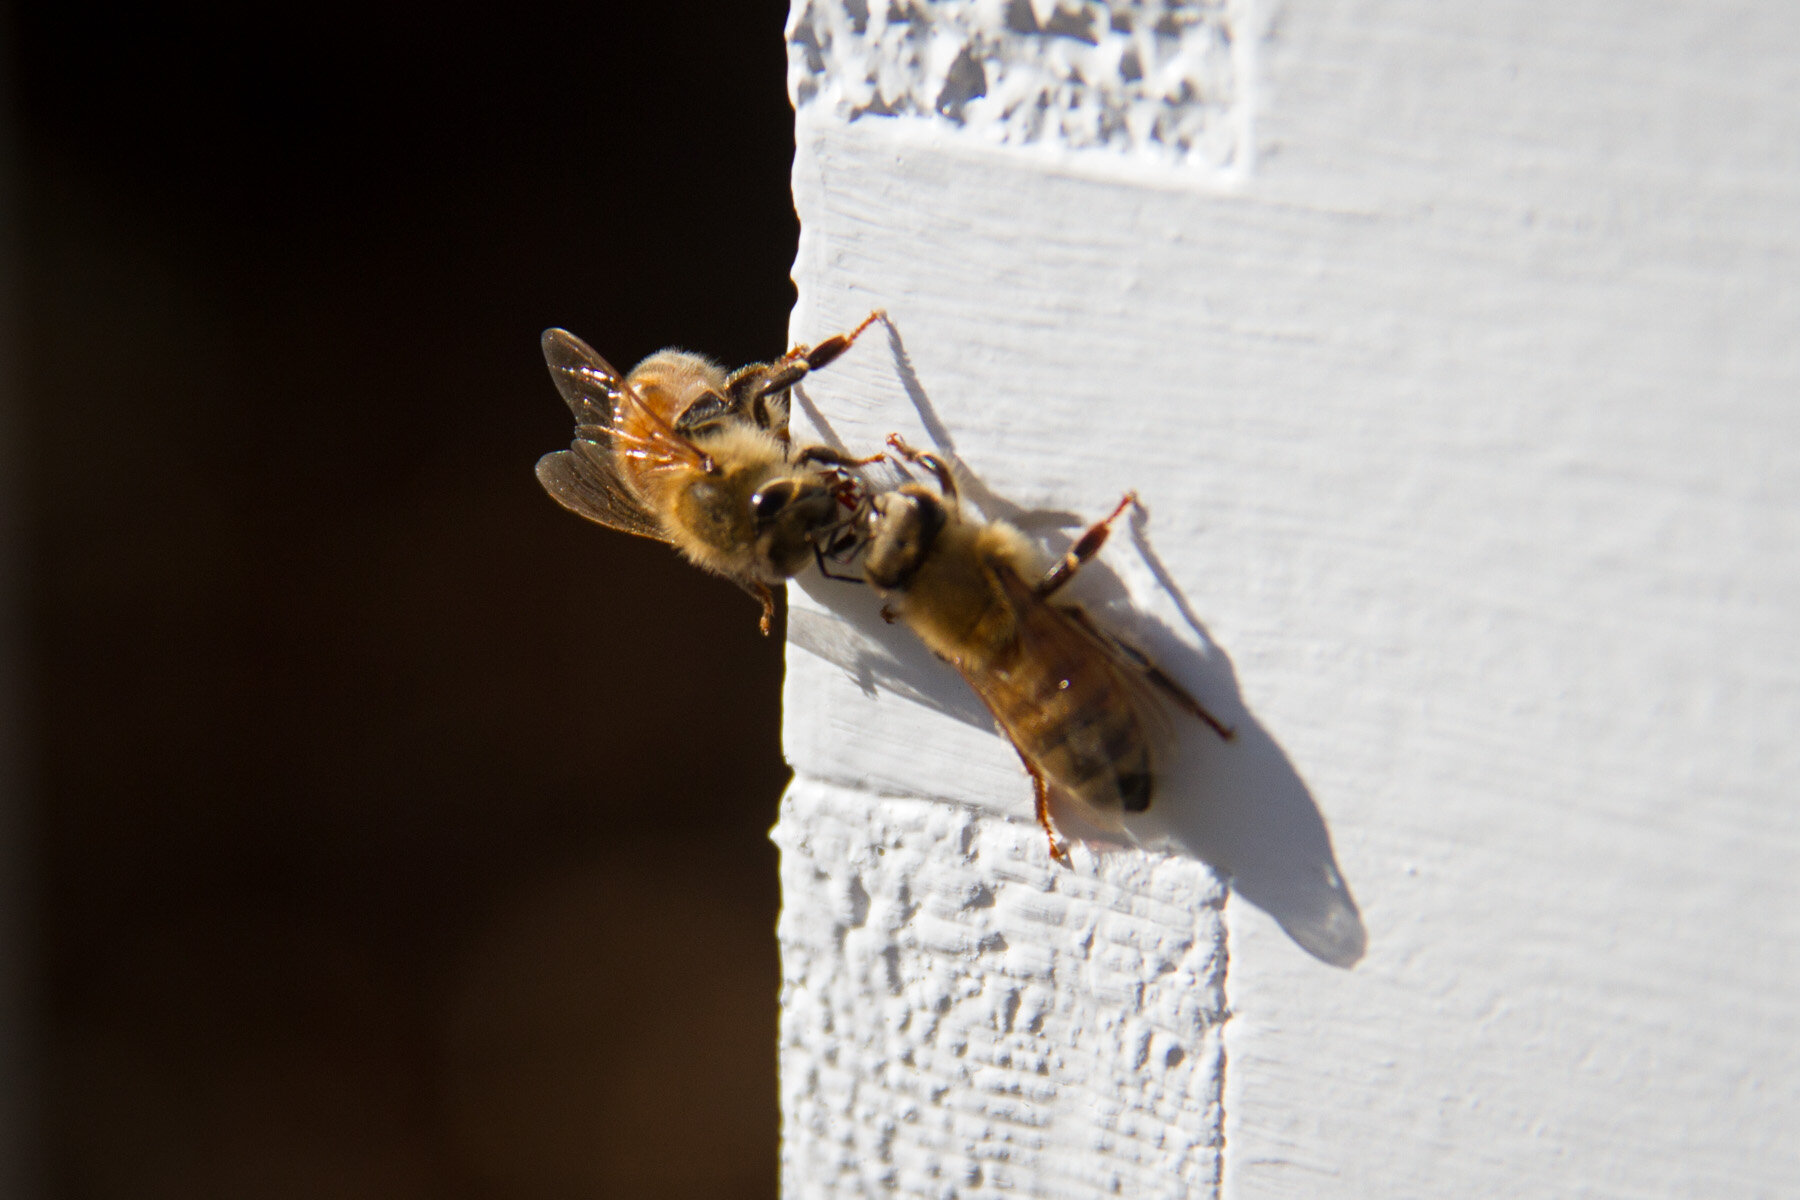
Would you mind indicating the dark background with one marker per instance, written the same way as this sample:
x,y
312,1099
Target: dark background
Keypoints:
x,y
394,833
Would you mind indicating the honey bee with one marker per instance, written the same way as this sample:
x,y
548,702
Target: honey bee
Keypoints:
x,y
681,451
1071,698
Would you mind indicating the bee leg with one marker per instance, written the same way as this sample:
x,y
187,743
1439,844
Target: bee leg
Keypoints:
x,y
843,542
844,486
1059,848
1186,702
1182,698
931,462
819,557
756,384
1139,661
831,347
760,593
1084,548
889,615
835,458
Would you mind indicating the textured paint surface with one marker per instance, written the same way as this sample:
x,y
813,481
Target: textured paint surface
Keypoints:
x,y
1156,80
946,997
1465,423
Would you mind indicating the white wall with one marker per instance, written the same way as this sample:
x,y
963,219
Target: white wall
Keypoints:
x,y
1457,360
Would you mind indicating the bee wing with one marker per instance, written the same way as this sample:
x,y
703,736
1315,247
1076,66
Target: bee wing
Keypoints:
x,y
1148,681
583,480
589,385
1134,669
598,396
1059,633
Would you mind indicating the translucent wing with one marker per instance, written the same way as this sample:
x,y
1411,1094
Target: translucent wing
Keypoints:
x,y
610,413
589,385
1064,634
1054,629
585,478
582,480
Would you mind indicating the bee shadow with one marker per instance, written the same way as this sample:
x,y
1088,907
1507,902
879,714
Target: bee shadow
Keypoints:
x,y
1239,805
974,490
876,655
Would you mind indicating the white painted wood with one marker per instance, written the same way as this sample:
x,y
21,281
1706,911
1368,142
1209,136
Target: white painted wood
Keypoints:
x,y
1459,370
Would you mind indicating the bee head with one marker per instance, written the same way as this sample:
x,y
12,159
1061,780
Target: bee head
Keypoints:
x,y
898,531
786,515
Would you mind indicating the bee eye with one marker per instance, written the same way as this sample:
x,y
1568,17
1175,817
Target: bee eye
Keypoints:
x,y
768,503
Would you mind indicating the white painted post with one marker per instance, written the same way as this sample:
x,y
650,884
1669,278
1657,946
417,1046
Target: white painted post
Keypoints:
x,y
1455,352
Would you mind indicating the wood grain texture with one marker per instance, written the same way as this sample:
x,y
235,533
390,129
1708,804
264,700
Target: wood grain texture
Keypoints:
x,y
1466,427
948,1003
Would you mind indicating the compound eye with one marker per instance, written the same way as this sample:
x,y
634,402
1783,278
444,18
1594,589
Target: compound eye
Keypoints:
x,y
768,503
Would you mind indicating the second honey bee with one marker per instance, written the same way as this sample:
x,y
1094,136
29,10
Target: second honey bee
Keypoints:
x,y
1070,697
681,451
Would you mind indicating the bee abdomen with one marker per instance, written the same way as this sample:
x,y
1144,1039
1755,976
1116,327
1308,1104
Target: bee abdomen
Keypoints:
x,y
1091,742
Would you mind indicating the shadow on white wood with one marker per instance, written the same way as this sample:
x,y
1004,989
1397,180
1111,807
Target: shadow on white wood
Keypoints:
x,y
1461,399
1240,806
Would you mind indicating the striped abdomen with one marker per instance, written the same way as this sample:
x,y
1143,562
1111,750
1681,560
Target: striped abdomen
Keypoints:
x,y
1062,697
